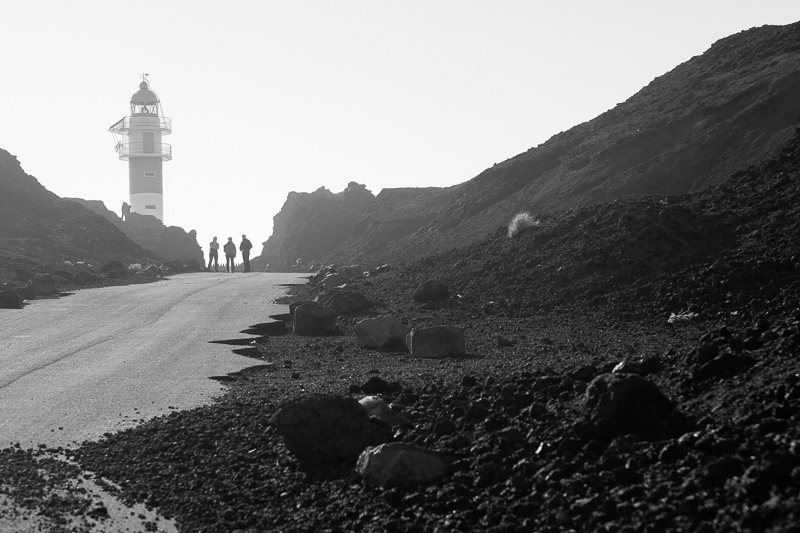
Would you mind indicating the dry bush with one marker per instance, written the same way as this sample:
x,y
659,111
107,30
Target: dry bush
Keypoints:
x,y
520,223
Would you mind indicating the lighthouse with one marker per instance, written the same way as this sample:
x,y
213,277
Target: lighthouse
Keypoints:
x,y
139,143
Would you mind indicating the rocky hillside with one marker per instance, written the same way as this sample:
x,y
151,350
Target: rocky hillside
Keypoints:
x,y
37,228
170,242
732,248
688,129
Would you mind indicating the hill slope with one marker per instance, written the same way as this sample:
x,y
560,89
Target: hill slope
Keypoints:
x,y
688,129
734,247
38,228
170,242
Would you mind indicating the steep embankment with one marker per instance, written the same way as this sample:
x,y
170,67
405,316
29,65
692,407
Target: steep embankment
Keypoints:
x,y
688,129
170,242
732,248
38,228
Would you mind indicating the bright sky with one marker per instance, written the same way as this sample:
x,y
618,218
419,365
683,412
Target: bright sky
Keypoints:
x,y
268,96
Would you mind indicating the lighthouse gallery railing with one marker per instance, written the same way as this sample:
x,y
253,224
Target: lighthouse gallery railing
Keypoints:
x,y
163,150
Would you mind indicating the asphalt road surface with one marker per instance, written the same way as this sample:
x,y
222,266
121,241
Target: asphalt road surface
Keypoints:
x,y
101,360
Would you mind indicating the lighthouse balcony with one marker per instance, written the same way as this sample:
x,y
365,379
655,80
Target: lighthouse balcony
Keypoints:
x,y
148,122
128,150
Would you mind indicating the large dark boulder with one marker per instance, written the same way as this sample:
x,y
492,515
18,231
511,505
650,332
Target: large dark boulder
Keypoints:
x,y
10,299
44,284
311,318
617,404
380,332
436,341
343,302
114,269
325,430
84,277
431,290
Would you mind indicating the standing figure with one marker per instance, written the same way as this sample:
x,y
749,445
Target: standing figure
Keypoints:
x,y
245,247
213,255
126,210
230,255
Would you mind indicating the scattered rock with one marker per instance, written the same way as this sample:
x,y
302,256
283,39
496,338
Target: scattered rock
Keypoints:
x,y
400,464
642,366
436,341
503,342
44,284
615,404
332,280
431,291
724,365
377,385
325,430
377,407
310,318
344,302
380,332
10,299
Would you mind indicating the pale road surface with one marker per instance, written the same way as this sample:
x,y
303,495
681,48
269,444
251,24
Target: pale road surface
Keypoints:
x,y
104,359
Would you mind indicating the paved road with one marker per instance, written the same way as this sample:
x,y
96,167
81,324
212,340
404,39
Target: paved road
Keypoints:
x,y
104,359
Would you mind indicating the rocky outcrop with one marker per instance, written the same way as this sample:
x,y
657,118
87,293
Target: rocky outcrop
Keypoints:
x,y
169,242
309,225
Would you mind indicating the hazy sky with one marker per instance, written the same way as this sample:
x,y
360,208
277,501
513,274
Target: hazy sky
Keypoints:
x,y
267,97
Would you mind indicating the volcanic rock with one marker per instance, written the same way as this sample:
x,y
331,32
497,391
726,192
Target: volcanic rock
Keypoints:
x,y
615,404
115,269
377,385
310,318
723,366
334,279
401,464
343,302
325,430
436,341
380,332
431,290
44,284
377,407
10,299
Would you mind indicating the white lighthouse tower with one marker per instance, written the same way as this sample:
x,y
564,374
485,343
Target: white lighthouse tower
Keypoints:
x,y
139,143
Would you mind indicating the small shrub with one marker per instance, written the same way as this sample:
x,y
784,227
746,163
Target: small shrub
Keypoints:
x,y
520,223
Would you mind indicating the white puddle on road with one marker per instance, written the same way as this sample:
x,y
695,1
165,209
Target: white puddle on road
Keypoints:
x,y
106,513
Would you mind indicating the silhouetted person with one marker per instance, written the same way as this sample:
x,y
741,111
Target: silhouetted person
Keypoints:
x,y
126,210
245,247
213,255
230,255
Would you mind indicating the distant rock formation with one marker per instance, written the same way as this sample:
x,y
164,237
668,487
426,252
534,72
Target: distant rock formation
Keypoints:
x,y
169,242
310,225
